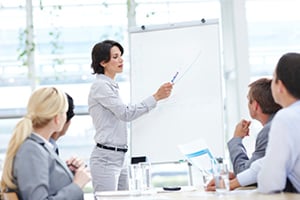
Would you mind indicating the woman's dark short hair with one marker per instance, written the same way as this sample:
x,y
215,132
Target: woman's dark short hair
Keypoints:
x,y
101,52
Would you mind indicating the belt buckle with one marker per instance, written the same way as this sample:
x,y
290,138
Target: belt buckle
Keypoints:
x,y
116,148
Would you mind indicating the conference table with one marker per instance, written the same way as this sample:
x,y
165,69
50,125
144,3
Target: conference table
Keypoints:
x,y
191,193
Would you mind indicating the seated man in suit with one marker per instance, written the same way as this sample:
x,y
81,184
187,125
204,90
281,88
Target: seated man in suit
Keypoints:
x,y
262,107
279,171
74,162
70,115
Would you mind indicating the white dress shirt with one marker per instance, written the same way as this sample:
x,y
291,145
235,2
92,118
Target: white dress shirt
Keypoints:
x,y
282,158
110,114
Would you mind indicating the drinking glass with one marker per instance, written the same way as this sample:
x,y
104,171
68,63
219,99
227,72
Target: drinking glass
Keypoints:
x,y
221,177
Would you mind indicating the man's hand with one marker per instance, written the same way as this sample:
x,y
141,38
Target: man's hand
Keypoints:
x,y
74,163
233,184
242,129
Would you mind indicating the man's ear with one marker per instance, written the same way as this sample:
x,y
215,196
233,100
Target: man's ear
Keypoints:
x,y
281,87
255,104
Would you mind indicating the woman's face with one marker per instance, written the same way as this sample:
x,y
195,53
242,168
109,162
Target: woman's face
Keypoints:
x,y
115,64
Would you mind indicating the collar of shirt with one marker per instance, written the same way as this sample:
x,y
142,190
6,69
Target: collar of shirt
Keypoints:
x,y
46,141
53,142
106,78
295,103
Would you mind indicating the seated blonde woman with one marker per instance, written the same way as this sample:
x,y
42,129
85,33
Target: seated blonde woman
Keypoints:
x,y
32,168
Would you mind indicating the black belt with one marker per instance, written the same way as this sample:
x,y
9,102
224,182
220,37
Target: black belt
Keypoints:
x,y
111,148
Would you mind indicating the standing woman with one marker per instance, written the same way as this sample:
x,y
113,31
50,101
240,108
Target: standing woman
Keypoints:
x,y
110,114
32,168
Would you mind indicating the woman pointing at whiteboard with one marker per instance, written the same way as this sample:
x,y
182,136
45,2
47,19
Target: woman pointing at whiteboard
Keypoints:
x,y
110,116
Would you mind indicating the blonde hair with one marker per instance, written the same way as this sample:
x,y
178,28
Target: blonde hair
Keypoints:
x,y
43,105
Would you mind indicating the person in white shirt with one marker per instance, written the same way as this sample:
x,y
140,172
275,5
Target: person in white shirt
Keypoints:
x,y
281,165
279,170
110,116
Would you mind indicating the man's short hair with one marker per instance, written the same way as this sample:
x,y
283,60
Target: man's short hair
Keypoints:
x,y
260,91
288,71
70,112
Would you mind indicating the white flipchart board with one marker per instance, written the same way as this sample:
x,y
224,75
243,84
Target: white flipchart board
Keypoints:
x,y
195,108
